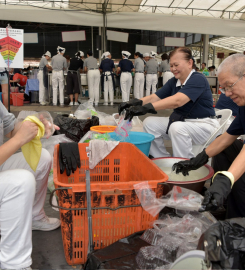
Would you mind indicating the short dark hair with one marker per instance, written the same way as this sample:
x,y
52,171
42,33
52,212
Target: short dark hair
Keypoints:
x,y
164,57
139,54
204,63
187,53
89,53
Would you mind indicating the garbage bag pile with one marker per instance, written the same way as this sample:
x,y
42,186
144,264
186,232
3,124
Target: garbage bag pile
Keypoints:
x,y
74,129
171,237
225,244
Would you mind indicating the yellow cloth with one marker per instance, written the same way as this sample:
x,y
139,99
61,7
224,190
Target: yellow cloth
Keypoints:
x,y
32,150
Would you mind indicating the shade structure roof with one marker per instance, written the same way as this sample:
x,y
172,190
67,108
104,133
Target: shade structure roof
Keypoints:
x,y
216,17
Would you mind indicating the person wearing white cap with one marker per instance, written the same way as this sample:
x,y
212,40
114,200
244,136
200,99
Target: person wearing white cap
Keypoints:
x,y
93,75
151,70
59,64
73,79
107,68
43,65
126,67
146,57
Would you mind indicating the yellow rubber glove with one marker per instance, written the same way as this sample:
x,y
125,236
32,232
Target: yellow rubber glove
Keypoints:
x,y
32,150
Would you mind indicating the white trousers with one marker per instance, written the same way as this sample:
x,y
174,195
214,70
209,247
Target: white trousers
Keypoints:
x,y
41,86
58,80
166,76
22,197
182,134
108,87
139,85
125,83
151,82
94,85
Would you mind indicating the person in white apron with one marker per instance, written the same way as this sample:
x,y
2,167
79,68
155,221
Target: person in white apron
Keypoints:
x,y
188,94
125,67
43,63
59,64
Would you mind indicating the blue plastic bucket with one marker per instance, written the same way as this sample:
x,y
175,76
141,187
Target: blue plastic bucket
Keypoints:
x,y
141,140
1,96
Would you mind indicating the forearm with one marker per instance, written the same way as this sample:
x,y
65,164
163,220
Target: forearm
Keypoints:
x,y
220,144
150,99
13,132
237,168
8,149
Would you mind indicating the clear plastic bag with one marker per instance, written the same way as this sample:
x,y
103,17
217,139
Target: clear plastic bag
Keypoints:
x,y
152,257
47,120
123,128
44,116
85,111
148,199
106,119
182,198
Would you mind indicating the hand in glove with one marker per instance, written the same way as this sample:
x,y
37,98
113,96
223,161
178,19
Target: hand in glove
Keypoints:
x,y
69,157
132,102
191,164
139,110
215,196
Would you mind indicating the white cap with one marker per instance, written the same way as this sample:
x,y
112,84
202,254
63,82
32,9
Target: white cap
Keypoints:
x,y
126,53
153,54
103,56
106,54
146,54
79,54
60,49
48,54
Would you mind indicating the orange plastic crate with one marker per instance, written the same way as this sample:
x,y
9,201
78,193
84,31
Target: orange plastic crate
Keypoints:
x,y
116,210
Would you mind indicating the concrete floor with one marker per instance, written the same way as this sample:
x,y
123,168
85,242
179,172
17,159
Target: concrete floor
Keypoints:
x,y
48,250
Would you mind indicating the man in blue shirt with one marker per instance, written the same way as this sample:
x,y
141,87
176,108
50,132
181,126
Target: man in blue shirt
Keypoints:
x,y
228,153
225,102
107,80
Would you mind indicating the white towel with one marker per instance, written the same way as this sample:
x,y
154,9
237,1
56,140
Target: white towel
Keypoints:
x,y
98,150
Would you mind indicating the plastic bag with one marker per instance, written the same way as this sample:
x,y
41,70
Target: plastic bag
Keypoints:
x,y
137,124
230,253
152,257
182,198
44,116
148,199
123,128
92,135
74,129
85,111
106,119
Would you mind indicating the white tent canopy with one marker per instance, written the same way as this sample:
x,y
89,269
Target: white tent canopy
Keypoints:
x,y
216,17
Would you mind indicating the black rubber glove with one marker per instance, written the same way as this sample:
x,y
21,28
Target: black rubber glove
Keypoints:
x,y
132,102
139,110
215,196
69,157
191,164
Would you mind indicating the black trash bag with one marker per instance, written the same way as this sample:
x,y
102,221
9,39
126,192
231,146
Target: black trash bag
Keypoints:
x,y
74,129
231,253
119,255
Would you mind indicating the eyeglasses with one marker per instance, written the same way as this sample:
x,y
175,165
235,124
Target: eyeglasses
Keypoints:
x,y
230,88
